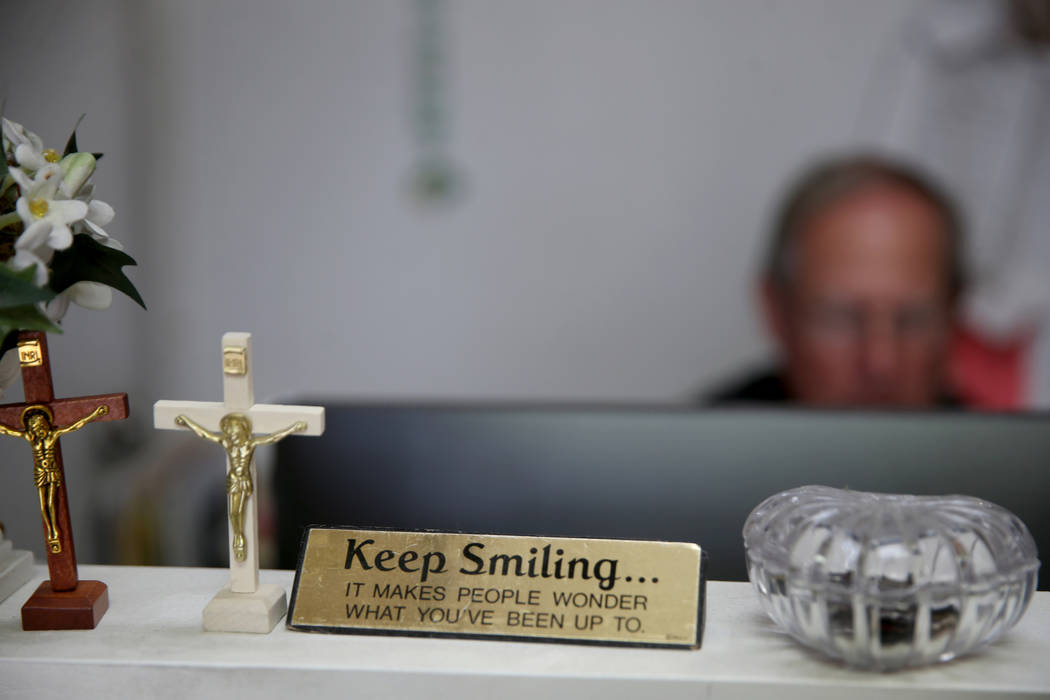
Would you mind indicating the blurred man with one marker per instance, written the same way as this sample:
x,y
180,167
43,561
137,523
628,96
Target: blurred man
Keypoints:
x,y
859,289
963,89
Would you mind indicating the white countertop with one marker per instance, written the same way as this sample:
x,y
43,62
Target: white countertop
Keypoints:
x,y
150,644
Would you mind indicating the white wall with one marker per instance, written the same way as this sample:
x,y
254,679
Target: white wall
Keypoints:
x,y
620,159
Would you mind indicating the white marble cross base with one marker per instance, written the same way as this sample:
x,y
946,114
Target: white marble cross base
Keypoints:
x,y
16,567
246,612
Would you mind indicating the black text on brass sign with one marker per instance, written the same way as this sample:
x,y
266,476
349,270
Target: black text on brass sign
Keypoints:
x,y
500,586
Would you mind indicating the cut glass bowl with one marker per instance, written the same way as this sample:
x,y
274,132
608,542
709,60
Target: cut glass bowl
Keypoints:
x,y
884,581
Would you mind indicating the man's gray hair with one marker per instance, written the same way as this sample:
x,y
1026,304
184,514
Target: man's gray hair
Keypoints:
x,y
830,180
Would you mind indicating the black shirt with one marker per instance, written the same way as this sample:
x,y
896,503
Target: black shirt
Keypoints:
x,y
767,386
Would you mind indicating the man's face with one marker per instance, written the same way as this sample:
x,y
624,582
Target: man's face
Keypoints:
x,y
865,316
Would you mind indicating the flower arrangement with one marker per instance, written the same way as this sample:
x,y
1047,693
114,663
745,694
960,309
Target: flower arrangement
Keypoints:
x,y
53,248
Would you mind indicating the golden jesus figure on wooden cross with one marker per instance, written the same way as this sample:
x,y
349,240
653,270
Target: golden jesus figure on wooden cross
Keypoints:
x,y
42,436
235,436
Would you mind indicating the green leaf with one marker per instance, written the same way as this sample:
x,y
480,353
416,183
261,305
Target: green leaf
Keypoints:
x,y
10,341
17,288
71,144
87,260
25,318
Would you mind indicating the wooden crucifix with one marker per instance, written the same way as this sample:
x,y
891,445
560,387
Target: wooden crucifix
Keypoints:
x,y
64,601
239,425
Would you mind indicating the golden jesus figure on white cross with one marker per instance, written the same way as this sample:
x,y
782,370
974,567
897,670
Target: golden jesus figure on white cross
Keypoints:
x,y
235,436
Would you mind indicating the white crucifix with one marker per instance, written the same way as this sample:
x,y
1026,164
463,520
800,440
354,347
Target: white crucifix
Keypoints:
x,y
239,425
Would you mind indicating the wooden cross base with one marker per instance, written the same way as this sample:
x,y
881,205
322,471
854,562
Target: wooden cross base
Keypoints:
x,y
78,609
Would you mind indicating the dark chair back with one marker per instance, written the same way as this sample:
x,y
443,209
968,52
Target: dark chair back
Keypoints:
x,y
638,473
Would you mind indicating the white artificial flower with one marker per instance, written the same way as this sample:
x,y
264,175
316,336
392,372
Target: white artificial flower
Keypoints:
x,y
99,214
16,135
90,295
26,147
46,218
76,169
30,257
54,204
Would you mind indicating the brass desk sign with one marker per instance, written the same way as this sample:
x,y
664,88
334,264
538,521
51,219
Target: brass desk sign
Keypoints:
x,y
637,593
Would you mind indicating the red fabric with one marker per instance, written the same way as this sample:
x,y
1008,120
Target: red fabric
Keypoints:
x,y
989,374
